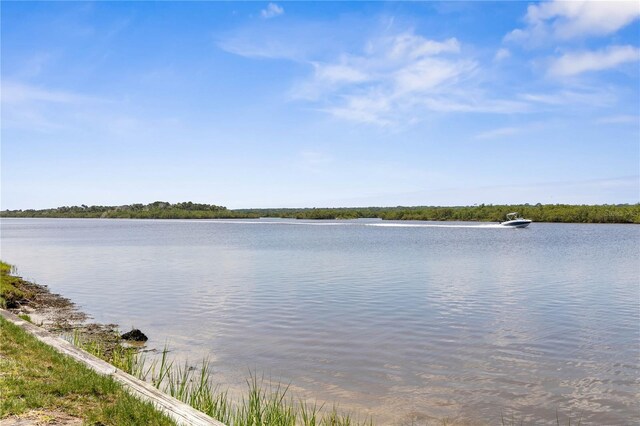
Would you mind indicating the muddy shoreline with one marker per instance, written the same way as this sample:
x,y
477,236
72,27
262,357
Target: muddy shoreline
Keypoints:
x,y
59,315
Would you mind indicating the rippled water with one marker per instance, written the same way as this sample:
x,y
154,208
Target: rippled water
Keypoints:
x,y
386,318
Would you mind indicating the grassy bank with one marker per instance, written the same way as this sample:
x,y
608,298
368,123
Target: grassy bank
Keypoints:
x,y
36,378
619,213
13,290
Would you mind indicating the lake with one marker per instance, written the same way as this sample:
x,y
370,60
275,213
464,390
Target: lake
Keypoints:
x,y
384,318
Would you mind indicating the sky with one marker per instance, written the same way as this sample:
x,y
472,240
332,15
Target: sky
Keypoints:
x,y
319,104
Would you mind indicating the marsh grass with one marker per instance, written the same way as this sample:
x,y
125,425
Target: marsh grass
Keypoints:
x,y
264,402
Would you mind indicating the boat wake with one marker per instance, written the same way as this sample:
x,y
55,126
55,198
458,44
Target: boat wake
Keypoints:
x,y
434,225
356,223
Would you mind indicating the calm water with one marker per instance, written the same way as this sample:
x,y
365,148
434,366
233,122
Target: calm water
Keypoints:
x,y
385,318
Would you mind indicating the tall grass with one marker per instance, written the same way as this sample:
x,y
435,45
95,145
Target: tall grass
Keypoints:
x,y
264,403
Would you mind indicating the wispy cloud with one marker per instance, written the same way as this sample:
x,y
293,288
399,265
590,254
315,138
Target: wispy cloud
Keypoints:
x,y
394,78
620,119
34,65
398,79
603,97
566,26
499,133
49,110
565,20
574,63
369,108
267,49
18,93
271,11
295,41
339,73
40,108
502,54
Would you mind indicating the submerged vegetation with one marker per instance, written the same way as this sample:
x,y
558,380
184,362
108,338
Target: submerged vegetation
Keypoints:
x,y
607,213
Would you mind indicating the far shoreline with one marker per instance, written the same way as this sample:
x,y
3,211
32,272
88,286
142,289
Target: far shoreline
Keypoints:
x,y
540,213
265,219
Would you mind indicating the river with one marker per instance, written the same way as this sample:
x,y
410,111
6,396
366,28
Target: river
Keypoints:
x,y
389,319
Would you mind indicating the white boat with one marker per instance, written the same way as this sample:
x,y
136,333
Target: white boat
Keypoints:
x,y
513,221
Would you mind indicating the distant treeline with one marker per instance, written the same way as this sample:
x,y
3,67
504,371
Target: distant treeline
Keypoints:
x,y
156,210
621,213
608,213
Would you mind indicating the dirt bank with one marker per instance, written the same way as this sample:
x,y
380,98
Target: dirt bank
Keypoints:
x,y
53,312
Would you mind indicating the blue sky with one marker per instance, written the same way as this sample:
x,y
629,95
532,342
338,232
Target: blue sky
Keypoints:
x,y
296,104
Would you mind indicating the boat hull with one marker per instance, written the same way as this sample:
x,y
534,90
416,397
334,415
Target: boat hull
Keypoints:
x,y
518,223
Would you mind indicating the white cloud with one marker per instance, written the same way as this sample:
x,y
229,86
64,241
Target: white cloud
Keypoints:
x,y
372,108
401,78
394,78
574,19
429,73
579,62
398,79
271,11
339,73
410,46
502,54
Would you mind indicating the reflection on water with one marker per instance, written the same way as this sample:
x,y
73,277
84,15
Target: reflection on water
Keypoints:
x,y
386,318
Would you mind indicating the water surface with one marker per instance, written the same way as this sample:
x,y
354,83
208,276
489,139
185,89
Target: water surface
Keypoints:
x,y
386,318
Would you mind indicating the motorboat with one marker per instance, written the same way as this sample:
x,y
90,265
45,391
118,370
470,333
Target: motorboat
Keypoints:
x,y
513,221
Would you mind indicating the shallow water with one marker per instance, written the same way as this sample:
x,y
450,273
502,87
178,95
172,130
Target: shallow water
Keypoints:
x,y
386,318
